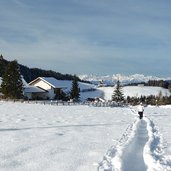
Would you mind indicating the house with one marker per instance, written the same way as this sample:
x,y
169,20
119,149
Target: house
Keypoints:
x,y
48,85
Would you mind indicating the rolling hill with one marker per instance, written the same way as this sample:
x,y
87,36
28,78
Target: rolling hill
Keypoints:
x,y
135,91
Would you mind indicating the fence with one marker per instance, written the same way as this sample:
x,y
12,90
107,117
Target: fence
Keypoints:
x,y
68,103
106,104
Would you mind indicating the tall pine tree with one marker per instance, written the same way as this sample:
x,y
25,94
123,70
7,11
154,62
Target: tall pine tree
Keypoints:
x,y
118,95
12,86
75,91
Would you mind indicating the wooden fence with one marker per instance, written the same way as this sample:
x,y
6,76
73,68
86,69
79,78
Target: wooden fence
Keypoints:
x,y
68,103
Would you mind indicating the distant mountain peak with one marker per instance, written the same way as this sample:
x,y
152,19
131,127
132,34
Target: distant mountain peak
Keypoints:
x,y
125,79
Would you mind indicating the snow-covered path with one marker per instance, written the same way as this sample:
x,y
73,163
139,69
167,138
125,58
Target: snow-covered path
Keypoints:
x,y
139,149
133,155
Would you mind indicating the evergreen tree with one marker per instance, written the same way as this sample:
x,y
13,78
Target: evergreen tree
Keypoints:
x,y
118,95
12,86
1,57
75,91
3,65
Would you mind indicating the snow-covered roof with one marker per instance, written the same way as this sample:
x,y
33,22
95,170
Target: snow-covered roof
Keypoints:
x,y
56,83
50,81
33,89
24,81
67,84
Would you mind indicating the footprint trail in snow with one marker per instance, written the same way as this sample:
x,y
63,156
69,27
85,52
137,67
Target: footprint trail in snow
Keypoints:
x,y
133,154
139,149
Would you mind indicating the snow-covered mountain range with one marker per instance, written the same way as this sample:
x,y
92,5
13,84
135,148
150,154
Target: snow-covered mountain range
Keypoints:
x,y
125,79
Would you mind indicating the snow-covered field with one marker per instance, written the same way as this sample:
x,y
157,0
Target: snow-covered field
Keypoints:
x,y
135,91
83,138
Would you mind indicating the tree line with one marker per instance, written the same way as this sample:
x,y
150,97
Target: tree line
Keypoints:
x,y
149,100
155,83
158,83
30,74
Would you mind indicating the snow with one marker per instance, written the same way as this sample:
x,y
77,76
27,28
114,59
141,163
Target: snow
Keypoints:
x,y
79,138
135,91
153,149
145,91
43,137
133,153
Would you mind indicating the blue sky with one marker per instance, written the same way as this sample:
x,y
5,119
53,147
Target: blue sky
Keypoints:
x,y
88,37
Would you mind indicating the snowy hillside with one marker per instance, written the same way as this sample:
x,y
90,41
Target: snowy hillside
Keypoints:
x,y
111,79
135,91
81,138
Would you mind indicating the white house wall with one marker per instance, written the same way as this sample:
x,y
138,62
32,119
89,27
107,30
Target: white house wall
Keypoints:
x,y
42,84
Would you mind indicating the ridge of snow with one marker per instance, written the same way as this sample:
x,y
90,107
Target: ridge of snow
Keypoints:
x,y
153,150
